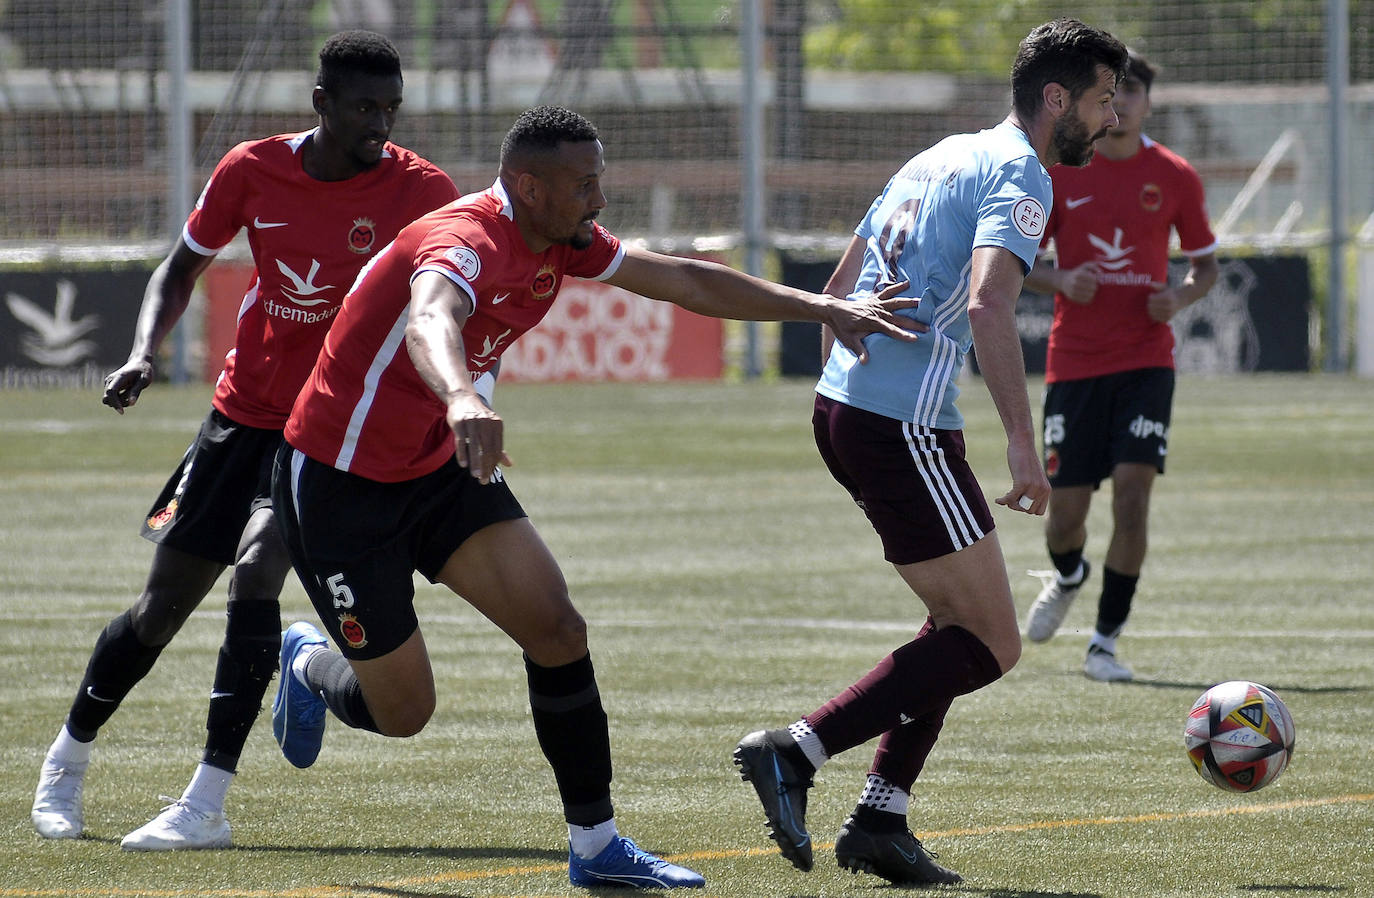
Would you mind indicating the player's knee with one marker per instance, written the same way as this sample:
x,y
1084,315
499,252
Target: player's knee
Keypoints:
x,y
402,719
157,616
562,640
1007,651
259,571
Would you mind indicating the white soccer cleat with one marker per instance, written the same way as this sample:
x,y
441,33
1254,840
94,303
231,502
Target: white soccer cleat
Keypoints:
x,y
1102,665
1048,610
180,827
56,810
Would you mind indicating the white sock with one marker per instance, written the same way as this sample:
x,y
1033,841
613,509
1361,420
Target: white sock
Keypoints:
x,y
809,743
66,751
589,841
881,795
303,658
1105,643
209,785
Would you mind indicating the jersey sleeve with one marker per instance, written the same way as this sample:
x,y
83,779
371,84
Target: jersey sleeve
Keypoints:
x,y
1014,211
217,216
1195,235
437,189
461,254
598,261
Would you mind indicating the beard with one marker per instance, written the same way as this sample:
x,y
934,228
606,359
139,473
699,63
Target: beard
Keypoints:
x,y
580,240
1072,142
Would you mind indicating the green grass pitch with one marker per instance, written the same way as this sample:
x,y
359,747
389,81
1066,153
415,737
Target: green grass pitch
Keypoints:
x,y
729,584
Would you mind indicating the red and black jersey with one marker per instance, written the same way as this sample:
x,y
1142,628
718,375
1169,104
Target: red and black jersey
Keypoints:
x,y
1119,213
365,408
309,238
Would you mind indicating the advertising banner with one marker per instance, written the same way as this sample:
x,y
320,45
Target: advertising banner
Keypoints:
x,y
67,328
1255,318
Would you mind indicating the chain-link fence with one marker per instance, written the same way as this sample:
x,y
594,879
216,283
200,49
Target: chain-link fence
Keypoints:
x,y
851,88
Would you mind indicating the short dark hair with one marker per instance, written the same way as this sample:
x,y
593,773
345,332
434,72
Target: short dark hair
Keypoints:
x,y
1141,69
540,130
1064,51
356,52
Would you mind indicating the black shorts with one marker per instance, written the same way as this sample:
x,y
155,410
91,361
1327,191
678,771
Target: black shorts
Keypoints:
x,y
356,543
1094,424
913,482
223,478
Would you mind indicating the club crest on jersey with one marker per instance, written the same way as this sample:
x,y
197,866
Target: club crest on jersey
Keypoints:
x,y
162,518
545,282
364,232
1151,198
352,631
465,260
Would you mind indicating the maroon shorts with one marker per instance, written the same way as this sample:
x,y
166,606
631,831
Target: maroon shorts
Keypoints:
x,y
913,482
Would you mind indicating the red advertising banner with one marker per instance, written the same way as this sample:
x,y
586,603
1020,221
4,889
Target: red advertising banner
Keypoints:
x,y
594,332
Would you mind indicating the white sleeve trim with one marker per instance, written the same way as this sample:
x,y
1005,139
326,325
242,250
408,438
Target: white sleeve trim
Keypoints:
x,y
195,245
455,278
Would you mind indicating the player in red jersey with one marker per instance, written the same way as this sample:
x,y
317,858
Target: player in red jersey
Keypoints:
x,y
391,466
318,206
1110,369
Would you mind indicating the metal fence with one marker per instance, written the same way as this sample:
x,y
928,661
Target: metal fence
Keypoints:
x,y
111,126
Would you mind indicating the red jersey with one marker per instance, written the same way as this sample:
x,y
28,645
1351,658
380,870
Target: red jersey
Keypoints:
x,y
365,408
309,238
1118,213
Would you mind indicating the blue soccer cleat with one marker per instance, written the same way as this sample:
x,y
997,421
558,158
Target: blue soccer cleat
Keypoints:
x,y
623,863
298,714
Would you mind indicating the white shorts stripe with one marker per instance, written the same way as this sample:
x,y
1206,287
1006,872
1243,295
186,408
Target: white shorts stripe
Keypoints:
x,y
960,522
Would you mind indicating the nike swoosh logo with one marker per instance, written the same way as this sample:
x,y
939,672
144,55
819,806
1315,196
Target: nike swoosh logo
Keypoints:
x,y
90,691
497,300
215,695
909,856
264,225
1075,203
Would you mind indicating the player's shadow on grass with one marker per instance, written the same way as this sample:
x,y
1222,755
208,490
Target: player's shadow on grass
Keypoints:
x,y
1022,893
1154,683
442,852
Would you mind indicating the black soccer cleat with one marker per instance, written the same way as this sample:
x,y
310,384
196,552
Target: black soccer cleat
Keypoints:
x,y
899,857
781,788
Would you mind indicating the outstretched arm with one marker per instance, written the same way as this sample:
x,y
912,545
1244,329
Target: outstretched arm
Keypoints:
x,y
994,287
164,301
840,285
721,292
434,339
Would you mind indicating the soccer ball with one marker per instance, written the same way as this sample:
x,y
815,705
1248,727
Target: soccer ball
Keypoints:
x,y
1239,736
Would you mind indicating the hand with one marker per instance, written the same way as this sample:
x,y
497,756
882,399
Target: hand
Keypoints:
x,y
123,386
1080,284
1163,303
1028,481
850,322
478,434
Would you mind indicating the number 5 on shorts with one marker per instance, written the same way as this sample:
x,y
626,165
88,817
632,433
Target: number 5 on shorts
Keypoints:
x,y
343,596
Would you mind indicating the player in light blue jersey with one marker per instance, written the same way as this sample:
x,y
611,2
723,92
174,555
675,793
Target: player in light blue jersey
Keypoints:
x,y
969,190
961,224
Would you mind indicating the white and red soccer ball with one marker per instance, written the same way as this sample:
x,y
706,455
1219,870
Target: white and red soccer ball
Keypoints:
x,y
1239,736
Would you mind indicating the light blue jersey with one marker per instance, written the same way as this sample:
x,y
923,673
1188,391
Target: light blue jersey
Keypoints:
x,y
969,190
